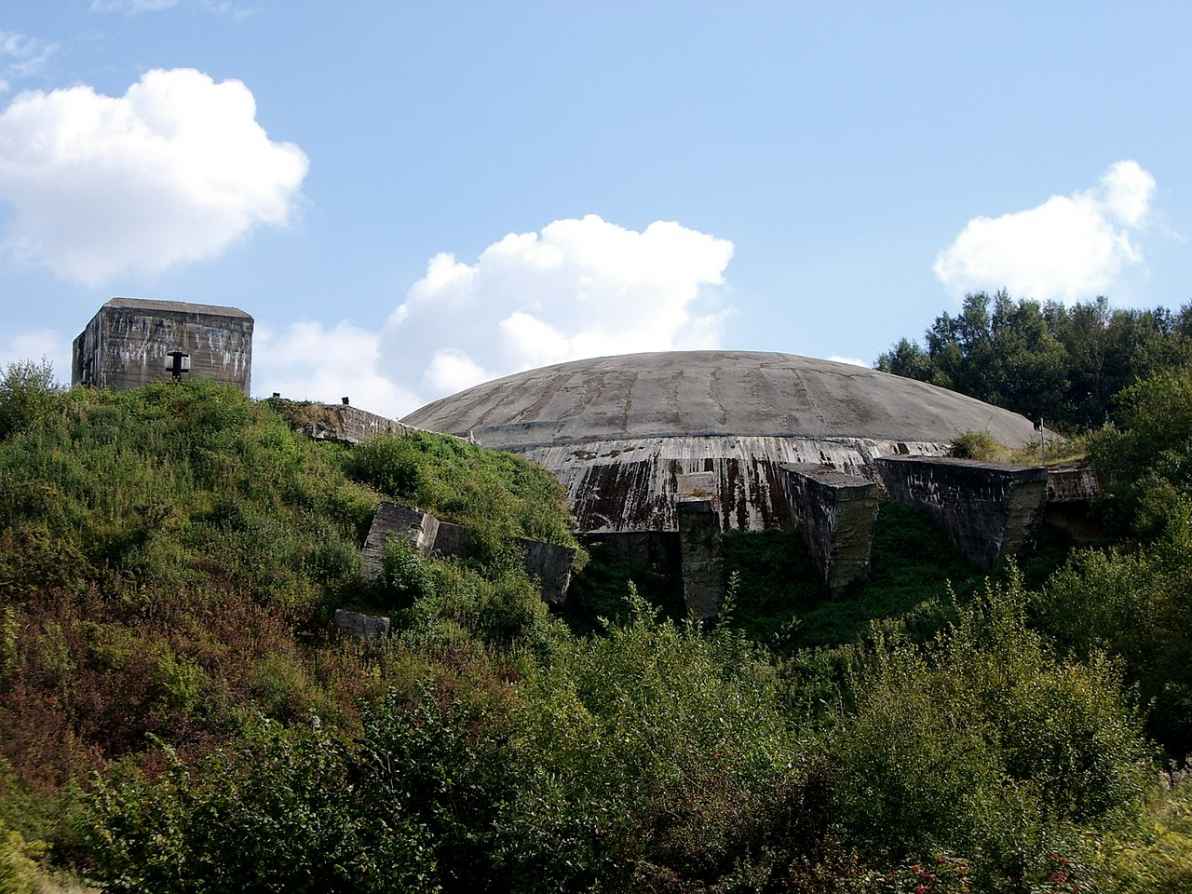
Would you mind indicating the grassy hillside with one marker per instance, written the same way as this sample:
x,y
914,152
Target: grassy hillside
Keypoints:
x,y
176,714
168,559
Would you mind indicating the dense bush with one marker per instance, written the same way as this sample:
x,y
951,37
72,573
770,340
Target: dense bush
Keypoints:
x,y
1145,462
1135,603
658,753
27,392
986,744
278,811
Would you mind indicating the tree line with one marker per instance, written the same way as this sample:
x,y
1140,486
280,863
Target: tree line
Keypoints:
x,y
1045,360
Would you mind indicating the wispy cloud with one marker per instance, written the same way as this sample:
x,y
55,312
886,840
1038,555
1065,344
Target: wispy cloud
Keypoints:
x,y
131,7
227,8
22,56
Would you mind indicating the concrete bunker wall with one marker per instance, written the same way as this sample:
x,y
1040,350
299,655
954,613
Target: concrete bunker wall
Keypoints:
x,y
126,346
987,509
835,514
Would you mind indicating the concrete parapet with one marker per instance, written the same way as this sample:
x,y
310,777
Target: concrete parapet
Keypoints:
x,y
700,561
835,513
1072,484
366,627
987,509
340,422
419,529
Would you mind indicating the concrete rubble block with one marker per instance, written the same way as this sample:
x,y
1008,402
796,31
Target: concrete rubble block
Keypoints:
x,y
366,627
835,513
393,520
546,562
989,510
452,541
549,564
700,560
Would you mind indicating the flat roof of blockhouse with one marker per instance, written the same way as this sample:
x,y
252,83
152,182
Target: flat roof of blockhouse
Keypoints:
x,y
177,307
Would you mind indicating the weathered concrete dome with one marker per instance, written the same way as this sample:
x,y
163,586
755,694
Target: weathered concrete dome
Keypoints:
x,y
623,432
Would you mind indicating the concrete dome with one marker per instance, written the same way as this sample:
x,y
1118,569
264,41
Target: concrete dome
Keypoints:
x,y
622,432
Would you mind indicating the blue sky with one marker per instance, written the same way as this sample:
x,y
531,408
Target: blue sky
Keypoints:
x,y
411,198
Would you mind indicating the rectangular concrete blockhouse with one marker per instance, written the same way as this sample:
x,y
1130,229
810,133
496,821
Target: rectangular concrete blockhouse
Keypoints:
x,y
131,342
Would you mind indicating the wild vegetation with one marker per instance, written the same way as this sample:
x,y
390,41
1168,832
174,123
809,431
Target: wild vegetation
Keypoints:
x,y
176,713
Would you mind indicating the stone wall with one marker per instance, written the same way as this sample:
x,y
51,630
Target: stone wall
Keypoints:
x,y
835,514
125,345
987,509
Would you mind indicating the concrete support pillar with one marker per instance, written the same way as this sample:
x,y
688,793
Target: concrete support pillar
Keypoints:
x,y
392,520
700,559
835,514
989,510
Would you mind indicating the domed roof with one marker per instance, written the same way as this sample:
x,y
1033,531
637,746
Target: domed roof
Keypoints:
x,y
693,393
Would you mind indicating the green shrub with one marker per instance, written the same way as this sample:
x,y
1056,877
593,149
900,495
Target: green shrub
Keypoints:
x,y
1135,603
405,573
655,752
979,445
1145,462
986,744
1154,855
276,812
27,391
18,871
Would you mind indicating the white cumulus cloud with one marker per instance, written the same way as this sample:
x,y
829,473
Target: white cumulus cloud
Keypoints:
x,y
578,288
37,345
310,361
852,361
1068,248
173,171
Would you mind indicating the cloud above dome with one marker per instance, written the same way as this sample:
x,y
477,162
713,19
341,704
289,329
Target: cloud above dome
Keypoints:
x,y
580,287
1068,248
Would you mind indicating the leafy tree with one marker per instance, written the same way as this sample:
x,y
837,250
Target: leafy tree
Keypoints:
x,y
1064,364
27,392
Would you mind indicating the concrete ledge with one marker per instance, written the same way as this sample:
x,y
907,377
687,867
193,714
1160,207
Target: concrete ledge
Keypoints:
x,y
1072,484
988,509
835,513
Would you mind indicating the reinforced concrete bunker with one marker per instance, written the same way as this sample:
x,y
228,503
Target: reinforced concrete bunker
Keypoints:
x,y
624,433
134,341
